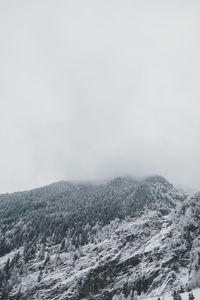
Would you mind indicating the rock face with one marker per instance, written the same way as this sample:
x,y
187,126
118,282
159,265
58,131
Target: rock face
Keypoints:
x,y
85,241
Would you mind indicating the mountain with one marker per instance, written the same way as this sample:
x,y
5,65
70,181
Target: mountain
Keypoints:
x,y
76,241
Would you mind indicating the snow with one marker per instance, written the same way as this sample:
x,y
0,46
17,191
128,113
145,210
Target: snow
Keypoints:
x,y
3,259
156,240
168,296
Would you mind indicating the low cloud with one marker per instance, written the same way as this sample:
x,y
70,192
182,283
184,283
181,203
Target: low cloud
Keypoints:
x,y
95,89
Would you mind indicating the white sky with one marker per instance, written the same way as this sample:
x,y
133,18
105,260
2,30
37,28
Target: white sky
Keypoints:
x,y
95,89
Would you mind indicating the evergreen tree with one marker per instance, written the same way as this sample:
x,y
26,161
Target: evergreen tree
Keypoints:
x,y
191,296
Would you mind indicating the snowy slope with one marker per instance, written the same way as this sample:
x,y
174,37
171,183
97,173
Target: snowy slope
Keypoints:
x,y
153,250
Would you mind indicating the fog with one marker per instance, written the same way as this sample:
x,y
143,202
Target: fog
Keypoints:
x,y
90,90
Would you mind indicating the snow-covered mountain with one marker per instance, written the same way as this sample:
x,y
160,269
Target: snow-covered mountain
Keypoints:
x,y
108,241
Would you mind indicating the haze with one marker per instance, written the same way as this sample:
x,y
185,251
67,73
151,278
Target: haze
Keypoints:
x,y
95,89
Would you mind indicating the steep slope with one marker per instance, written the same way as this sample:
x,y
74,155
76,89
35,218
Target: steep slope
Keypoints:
x,y
84,241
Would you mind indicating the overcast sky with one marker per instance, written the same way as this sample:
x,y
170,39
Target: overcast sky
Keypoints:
x,y
95,89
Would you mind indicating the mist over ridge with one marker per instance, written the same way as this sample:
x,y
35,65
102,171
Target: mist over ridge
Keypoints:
x,y
92,91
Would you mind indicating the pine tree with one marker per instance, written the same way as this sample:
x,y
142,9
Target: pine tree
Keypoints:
x,y
62,245
191,296
39,276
